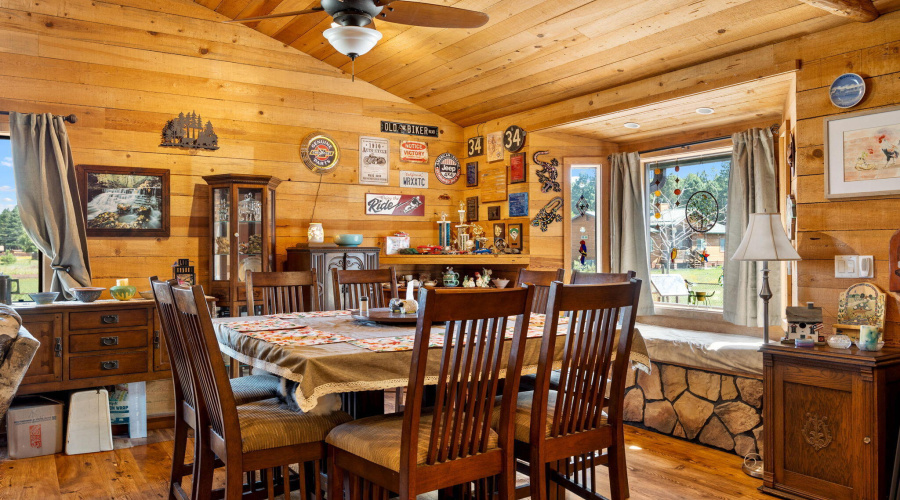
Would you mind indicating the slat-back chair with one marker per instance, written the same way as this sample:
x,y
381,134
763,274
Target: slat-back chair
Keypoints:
x,y
581,278
451,444
256,436
349,286
285,292
568,426
246,389
541,281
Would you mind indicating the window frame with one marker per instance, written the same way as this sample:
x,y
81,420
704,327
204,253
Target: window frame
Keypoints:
x,y
602,217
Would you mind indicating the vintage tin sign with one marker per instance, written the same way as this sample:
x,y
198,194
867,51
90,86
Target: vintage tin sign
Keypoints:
x,y
447,169
374,161
409,129
414,151
395,204
410,179
320,153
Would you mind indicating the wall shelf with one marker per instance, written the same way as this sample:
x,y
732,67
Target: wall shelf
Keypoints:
x,y
449,260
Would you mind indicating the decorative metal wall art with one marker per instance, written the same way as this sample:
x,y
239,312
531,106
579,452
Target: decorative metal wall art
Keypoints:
x,y
447,169
548,173
514,139
320,153
414,152
188,131
409,129
549,214
702,211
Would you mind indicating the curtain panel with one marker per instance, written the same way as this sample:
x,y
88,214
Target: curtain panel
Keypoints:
x,y
752,189
628,223
48,199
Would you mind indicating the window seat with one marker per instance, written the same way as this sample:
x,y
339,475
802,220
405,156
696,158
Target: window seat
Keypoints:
x,y
716,352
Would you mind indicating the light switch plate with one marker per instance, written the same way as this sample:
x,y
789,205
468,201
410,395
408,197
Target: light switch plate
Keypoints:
x,y
866,266
846,266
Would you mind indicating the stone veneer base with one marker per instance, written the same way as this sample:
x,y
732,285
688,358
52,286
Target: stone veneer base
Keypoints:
x,y
714,409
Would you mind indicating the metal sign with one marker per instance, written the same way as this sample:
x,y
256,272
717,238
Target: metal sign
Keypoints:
x,y
414,152
514,139
395,204
410,179
320,153
475,146
447,169
409,129
374,161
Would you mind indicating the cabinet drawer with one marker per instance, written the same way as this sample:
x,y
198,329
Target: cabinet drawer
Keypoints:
x,y
85,342
115,318
107,365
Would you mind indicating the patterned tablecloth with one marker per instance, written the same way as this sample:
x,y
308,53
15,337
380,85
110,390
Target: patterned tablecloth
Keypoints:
x,y
329,352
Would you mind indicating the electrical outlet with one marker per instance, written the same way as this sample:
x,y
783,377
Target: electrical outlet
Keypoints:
x,y
846,266
866,266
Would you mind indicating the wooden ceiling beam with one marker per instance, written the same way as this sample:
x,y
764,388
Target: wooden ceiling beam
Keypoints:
x,y
863,11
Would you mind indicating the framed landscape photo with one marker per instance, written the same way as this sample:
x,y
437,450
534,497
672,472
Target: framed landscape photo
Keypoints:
x,y
517,168
862,154
124,201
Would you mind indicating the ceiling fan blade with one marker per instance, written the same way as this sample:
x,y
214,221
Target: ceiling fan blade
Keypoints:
x,y
273,16
430,16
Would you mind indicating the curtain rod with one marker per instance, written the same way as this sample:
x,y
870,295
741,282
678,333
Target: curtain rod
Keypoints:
x,y
69,118
686,144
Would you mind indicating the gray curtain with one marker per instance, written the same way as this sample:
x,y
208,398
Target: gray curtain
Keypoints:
x,y
48,198
751,189
628,223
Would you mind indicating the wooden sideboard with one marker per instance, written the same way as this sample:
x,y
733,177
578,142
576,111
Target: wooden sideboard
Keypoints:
x,y
831,422
88,345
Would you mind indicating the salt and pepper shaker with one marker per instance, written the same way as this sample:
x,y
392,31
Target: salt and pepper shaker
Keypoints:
x,y
364,306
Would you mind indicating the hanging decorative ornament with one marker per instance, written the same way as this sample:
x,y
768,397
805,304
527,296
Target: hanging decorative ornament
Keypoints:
x,y
674,254
657,193
705,255
547,174
549,214
582,205
677,168
583,251
702,211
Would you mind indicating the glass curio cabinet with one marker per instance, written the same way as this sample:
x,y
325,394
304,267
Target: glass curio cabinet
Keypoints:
x,y
242,235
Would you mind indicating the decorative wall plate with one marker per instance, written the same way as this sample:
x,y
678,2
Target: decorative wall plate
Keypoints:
x,y
847,90
447,169
320,153
702,211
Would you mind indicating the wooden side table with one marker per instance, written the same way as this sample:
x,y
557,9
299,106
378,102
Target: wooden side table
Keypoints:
x,y
831,422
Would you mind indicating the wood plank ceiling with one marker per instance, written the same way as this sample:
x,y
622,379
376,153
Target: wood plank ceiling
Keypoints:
x,y
536,52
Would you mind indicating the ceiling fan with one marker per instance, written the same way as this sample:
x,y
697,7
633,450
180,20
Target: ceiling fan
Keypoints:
x,y
353,30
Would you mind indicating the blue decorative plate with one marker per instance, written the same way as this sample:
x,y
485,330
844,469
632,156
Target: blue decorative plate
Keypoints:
x,y
847,90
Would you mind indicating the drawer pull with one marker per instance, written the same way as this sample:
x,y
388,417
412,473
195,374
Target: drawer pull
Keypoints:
x,y
109,340
109,365
867,440
110,319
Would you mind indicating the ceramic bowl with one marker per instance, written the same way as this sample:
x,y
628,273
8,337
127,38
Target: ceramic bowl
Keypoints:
x,y
124,292
501,283
862,347
43,298
87,293
146,294
348,240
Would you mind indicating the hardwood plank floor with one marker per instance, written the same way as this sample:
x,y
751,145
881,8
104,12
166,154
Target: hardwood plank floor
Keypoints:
x,y
659,468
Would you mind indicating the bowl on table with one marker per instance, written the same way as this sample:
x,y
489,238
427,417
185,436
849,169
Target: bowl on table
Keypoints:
x,y
146,294
123,292
43,298
87,293
499,283
348,240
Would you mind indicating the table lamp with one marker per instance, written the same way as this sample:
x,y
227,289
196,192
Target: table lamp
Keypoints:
x,y
765,241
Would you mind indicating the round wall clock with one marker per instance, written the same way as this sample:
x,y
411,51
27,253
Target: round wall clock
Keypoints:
x,y
847,90
320,153
514,139
702,211
447,169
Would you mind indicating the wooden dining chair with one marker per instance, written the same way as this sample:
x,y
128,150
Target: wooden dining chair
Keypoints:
x,y
263,435
284,292
450,444
349,286
560,432
245,389
581,278
541,281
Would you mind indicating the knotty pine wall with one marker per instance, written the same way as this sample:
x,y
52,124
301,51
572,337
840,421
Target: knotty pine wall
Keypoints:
x,y
125,67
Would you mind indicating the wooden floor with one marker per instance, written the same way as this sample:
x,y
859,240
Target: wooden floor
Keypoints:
x,y
659,468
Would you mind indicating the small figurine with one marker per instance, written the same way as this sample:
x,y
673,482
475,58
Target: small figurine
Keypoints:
x,y
483,280
468,282
804,323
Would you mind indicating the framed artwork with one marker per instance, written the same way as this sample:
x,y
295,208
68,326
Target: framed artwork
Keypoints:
x,y
493,184
518,204
124,201
494,213
472,174
495,147
499,234
514,238
517,168
862,154
472,209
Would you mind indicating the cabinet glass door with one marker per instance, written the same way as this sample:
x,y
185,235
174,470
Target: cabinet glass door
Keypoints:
x,y
221,234
250,234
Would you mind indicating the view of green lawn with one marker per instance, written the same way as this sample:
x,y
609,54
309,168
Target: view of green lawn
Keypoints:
x,y
702,280
24,269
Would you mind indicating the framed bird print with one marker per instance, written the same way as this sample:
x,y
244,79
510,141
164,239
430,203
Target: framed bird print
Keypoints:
x,y
862,154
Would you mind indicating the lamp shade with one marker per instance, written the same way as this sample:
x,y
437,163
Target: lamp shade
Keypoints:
x,y
352,41
765,240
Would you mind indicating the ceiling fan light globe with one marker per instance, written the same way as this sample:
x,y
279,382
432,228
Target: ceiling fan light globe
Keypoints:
x,y
352,39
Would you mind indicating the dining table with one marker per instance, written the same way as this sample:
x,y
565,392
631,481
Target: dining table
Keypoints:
x,y
330,352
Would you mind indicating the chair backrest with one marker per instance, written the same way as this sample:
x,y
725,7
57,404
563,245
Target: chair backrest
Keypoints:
x,y
470,373
541,281
215,401
594,311
283,293
349,286
175,343
580,278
